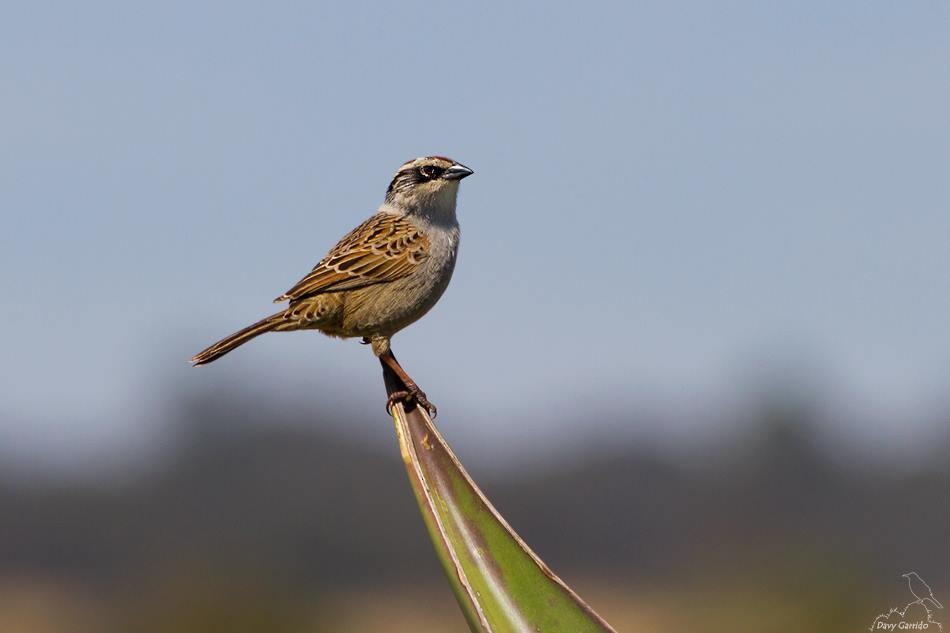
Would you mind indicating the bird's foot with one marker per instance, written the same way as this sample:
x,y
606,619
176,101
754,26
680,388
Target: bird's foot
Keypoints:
x,y
412,395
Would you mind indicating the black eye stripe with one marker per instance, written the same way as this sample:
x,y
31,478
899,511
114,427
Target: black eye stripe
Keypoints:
x,y
409,177
431,172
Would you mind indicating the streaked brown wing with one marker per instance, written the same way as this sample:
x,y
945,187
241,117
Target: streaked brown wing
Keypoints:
x,y
384,248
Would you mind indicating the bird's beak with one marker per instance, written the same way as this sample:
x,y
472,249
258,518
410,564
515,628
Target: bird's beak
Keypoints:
x,y
457,172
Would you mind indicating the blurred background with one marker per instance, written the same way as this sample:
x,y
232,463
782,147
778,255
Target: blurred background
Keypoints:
x,y
695,347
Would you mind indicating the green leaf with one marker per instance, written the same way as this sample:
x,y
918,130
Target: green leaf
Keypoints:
x,y
500,584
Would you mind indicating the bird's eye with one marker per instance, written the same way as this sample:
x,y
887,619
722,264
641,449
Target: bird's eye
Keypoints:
x,y
431,172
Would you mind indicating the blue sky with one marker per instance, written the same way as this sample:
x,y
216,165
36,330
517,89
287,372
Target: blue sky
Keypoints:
x,y
668,199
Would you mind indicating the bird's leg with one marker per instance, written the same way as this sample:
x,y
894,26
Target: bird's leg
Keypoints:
x,y
411,393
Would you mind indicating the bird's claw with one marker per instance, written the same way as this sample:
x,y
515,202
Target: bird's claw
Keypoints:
x,y
414,396
423,402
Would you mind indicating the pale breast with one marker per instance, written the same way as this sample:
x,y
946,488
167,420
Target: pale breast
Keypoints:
x,y
384,309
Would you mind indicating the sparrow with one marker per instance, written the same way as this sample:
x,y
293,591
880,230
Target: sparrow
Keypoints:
x,y
920,589
382,276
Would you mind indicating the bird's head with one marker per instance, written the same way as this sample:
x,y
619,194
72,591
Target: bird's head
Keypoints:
x,y
427,182
910,574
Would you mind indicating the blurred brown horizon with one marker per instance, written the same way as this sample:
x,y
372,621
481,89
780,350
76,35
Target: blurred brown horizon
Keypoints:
x,y
260,514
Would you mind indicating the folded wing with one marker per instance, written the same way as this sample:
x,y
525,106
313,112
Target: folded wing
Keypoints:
x,y
384,248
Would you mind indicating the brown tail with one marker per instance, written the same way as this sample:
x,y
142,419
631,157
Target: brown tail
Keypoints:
x,y
237,339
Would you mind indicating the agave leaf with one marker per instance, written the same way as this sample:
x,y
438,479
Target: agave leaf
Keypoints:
x,y
500,584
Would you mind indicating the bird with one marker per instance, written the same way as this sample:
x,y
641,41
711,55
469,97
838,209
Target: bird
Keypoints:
x,y
920,589
380,277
